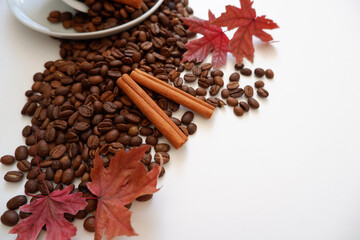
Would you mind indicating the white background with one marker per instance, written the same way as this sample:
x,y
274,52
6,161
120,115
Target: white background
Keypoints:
x,y
288,171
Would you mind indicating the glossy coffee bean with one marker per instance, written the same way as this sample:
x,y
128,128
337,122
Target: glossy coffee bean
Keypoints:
x,y
15,202
7,160
187,118
21,153
253,103
13,176
89,224
10,218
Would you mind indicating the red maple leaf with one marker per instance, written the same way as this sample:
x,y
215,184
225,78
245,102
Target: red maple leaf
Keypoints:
x,y
248,24
125,180
50,211
214,40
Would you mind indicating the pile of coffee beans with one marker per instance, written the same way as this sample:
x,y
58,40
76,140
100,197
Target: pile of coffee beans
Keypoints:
x,y
77,111
107,14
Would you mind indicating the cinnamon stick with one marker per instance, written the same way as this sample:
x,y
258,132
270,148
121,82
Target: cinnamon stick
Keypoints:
x,y
172,93
132,3
152,111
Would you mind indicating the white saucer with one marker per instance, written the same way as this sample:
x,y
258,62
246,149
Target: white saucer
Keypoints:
x,y
34,13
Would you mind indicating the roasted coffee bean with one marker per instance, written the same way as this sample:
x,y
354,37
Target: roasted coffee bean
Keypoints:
x,y
162,172
57,151
110,107
24,215
65,162
146,159
225,93
214,90
164,155
232,85
232,101
133,131
236,93
219,81
234,77
26,131
259,72
238,111
151,140
187,118
44,190
262,93
249,92
259,84
217,73
162,147
24,165
93,141
33,173
191,128
196,71
246,71
146,197
239,66
86,111
7,159
81,126
178,82
135,141
204,83
31,186
21,153
146,131
190,77
43,148
253,103
68,176
269,74
13,176
89,224
10,218
212,101
201,91
244,106
15,202
112,135
206,66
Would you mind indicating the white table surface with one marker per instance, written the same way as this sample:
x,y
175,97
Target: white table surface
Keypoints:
x,y
288,171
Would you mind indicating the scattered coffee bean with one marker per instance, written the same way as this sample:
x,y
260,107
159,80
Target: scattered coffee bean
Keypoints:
x,y
162,147
21,153
89,224
7,160
253,103
259,72
246,71
24,165
225,93
249,92
244,106
31,186
232,85
164,155
262,93
239,66
259,84
234,77
232,101
187,118
238,111
214,90
191,128
10,218
15,202
13,176
190,77
269,74
219,81
146,197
